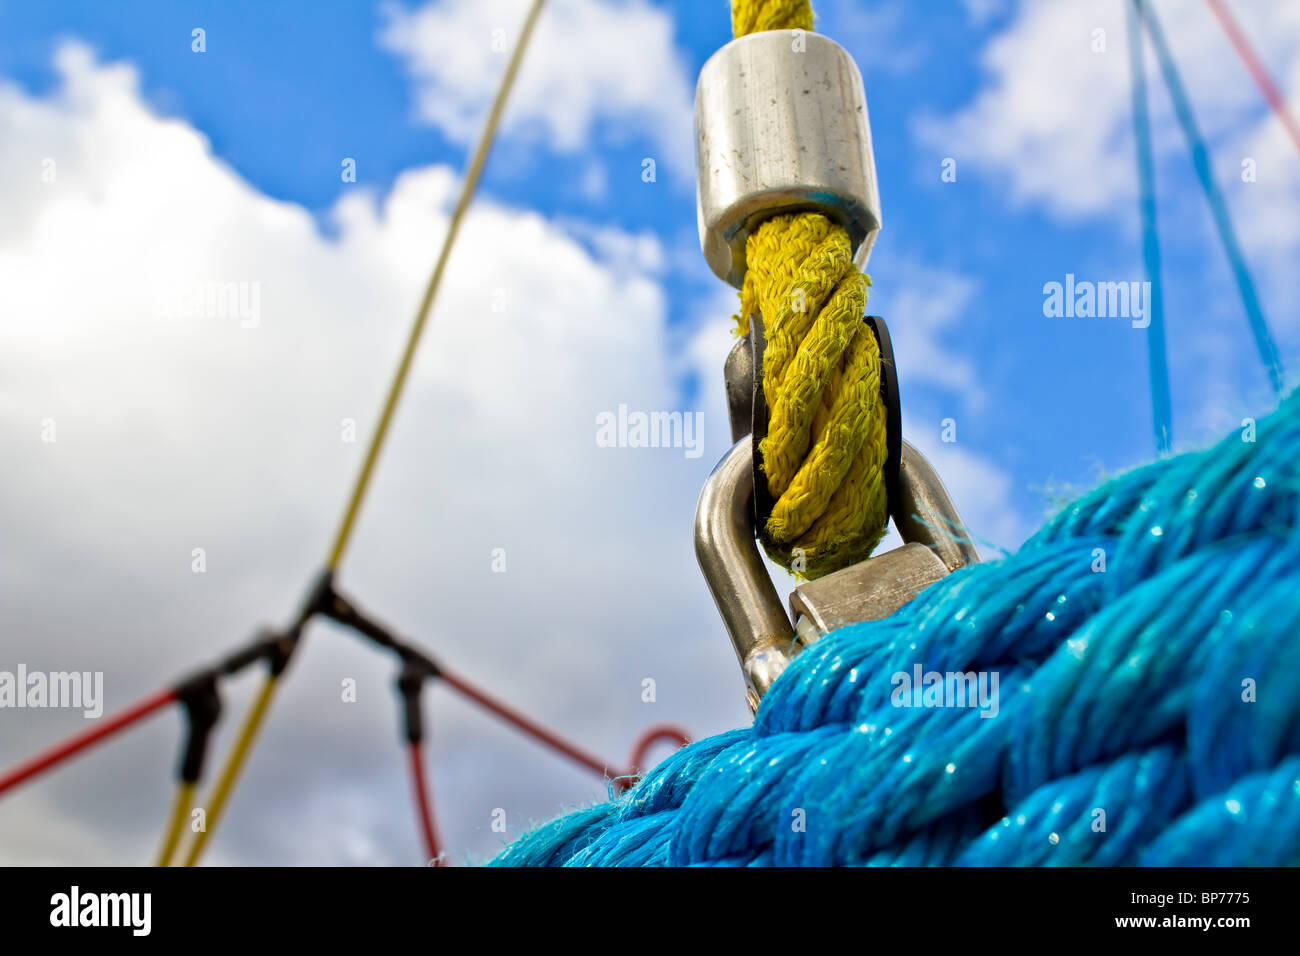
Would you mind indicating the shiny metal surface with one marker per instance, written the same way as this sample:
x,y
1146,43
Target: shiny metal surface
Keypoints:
x,y
781,126
738,377
867,591
926,514
936,542
733,568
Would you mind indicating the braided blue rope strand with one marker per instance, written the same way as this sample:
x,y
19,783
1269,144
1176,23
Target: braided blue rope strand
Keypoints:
x,y
1144,644
937,845
1255,822
1088,818
1244,714
1124,680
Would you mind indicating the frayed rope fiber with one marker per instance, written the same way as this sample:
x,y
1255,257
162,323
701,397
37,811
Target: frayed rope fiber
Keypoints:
x,y
1146,644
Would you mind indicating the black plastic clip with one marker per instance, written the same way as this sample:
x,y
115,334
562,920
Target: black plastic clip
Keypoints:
x,y
339,609
202,703
416,669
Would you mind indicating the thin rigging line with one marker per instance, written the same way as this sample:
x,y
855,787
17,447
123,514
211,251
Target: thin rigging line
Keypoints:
x,y
1157,360
1227,235
431,290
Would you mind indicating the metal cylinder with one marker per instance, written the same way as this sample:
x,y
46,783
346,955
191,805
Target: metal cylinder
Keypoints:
x,y
781,126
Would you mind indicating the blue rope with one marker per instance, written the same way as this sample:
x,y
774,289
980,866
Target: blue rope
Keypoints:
x,y
1161,414
1201,160
1148,710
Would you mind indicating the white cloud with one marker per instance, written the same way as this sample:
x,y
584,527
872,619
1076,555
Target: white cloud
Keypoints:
x,y
1051,128
927,302
178,432
1053,120
591,63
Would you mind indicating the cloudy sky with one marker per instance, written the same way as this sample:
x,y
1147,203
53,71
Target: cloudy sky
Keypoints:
x,y
134,171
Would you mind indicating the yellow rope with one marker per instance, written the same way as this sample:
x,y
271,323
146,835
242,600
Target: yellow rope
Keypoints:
x,y
431,289
181,806
754,16
826,444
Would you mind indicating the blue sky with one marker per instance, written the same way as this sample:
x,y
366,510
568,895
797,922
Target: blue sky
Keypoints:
x,y
611,302
286,89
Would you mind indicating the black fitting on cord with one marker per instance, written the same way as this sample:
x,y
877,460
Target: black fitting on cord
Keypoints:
x,y
416,669
416,666
338,608
202,703
269,645
201,698
280,648
255,651
318,599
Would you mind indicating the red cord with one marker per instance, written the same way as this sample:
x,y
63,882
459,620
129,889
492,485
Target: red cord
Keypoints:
x,y
137,712
1257,70
74,745
620,781
654,735
424,809
528,725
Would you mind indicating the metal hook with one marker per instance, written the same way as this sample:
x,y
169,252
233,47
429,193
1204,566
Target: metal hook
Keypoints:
x,y
728,554
935,543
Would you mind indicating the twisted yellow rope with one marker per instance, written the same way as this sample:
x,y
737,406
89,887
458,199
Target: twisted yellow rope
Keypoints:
x,y
825,448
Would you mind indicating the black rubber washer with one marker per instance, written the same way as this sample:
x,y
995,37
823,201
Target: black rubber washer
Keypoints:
x,y
763,500
893,410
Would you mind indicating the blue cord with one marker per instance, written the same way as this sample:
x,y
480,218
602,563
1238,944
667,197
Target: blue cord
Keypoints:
x,y
1161,414
1268,353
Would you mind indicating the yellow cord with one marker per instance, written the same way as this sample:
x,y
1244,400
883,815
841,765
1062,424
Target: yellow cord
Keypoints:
x,y
431,290
176,823
825,449
255,716
230,773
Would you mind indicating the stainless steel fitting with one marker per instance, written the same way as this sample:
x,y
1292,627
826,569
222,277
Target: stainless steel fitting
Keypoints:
x,y
936,542
751,610
781,126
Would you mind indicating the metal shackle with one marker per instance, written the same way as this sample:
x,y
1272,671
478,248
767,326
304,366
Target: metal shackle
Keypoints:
x,y
781,126
935,543
751,609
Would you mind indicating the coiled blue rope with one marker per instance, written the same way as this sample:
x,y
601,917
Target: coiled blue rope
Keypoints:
x,y
1147,648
